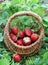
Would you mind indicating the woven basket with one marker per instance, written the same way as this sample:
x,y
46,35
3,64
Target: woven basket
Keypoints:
x,y
23,50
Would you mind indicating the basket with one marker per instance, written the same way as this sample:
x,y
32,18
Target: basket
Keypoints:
x,y
24,50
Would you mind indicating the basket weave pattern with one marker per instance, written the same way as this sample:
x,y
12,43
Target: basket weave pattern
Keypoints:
x,y
23,50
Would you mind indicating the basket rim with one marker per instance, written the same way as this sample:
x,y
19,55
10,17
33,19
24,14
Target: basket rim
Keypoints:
x,y
30,14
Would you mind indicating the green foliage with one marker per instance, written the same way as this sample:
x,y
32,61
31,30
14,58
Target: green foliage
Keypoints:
x,y
1,21
45,21
4,61
8,9
17,2
25,21
1,37
30,3
39,10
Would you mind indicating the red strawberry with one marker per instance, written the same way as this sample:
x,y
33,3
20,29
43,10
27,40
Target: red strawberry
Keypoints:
x,y
13,37
27,41
28,31
34,37
20,42
17,58
21,34
14,30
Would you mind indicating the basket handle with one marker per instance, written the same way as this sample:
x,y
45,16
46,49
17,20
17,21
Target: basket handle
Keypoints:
x,y
28,13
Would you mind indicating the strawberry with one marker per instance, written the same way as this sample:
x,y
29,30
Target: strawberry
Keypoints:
x,y
20,42
28,31
14,30
21,34
27,41
34,37
17,58
13,37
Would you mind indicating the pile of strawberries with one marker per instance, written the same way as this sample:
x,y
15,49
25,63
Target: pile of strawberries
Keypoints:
x,y
23,38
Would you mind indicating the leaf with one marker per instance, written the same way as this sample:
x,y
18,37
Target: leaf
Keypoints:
x,y
46,39
12,62
1,55
17,63
45,56
14,2
22,62
33,2
45,59
45,44
42,51
36,61
22,1
30,60
1,21
7,3
39,10
1,37
45,5
4,61
46,31
6,56
5,14
45,21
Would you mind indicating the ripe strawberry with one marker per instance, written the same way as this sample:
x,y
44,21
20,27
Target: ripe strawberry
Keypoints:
x,y
20,42
34,37
27,41
13,37
21,34
28,31
17,58
14,30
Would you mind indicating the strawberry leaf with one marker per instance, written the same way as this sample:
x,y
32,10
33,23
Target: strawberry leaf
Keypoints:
x,y
1,37
4,61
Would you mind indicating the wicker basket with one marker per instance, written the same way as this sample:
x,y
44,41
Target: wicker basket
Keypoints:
x,y
23,50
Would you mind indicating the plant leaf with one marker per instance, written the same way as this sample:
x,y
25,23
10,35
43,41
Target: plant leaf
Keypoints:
x,y
1,21
45,21
39,10
1,37
4,61
33,2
